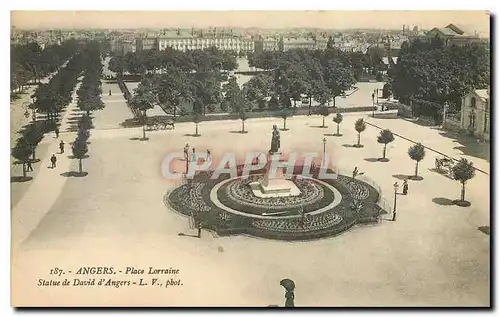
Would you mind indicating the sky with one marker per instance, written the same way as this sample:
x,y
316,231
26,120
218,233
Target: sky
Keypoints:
x,y
473,20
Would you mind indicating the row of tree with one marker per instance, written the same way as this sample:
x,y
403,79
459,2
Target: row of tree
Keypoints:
x,y
207,60
437,73
90,91
79,146
462,171
29,62
53,97
321,75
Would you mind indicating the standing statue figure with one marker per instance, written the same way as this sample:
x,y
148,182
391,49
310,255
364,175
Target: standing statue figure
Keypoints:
x,y
275,141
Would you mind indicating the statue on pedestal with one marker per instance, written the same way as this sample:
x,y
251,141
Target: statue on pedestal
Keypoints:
x,y
275,140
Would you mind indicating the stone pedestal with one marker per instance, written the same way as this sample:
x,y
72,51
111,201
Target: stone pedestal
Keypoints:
x,y
275,185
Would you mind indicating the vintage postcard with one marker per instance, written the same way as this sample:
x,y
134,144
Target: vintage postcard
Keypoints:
x,y
250,158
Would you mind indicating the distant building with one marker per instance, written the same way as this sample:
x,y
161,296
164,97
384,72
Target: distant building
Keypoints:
x,y
475,113
270,44
452,35
146,43
300,43
188,41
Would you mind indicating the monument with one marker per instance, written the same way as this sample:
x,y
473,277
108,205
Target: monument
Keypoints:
x,y
274,183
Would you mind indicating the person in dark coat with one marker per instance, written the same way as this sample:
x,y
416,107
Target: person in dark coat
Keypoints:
x,y
29,168
289,286
53,161
57,132
405,187
61,147
355,172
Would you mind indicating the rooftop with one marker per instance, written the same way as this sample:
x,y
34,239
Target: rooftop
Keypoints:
x,y
482,93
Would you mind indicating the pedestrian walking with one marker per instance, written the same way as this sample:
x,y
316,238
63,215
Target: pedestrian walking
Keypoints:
x,y
209,156
355,172
61,147
405,187
57,132
186,152
110,92
193,156
29,168
53,161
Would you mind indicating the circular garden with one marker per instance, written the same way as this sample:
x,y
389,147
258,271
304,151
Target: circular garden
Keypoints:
x,y
325,207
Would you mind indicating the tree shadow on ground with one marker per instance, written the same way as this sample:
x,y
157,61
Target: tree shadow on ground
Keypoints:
x,y
319,126
20,179
373,159
281,129
462,203
239,132
32,162
136,138
469,145
484,229
347,145
181,234
192,135
74,174
435,170
400,176
442,201
71,157
415,178
423,123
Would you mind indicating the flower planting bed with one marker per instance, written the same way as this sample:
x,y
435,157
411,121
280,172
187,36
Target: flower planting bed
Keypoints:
x,y
302,217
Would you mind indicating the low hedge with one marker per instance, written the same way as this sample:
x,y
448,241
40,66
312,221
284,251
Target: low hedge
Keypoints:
x,y
250,115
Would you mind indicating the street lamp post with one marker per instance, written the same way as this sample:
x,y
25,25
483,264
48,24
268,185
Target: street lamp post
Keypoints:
x,y
34,109
396,186
324,147
373,105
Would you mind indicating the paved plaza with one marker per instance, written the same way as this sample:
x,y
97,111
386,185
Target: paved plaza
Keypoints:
x,y
433,254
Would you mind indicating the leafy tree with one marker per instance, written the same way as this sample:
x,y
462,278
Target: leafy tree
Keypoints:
x,y
285,114
462,172
337,72
117,64
33,136
387,91
416,153
437,73
231,91
22,152
79,149
323,111
142,101
385,137
196,120
338,120
359,126
242,115
173,88
274,103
